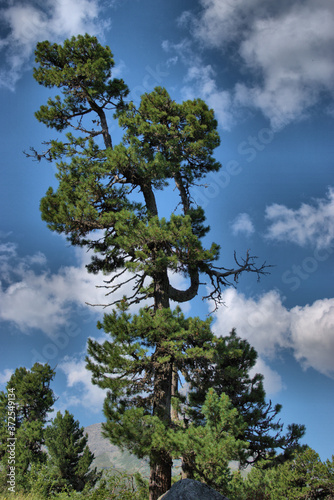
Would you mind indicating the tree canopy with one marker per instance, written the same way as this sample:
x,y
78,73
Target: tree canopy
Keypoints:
x,y
114,188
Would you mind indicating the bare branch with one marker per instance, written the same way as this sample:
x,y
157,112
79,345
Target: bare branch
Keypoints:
x,y
116,287
39,156
138,293
118,275
219,276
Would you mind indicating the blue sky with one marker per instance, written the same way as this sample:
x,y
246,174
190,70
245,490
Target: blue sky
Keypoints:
x,y
267,69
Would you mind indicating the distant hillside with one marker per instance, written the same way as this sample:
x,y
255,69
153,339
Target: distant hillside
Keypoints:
x,y
109,456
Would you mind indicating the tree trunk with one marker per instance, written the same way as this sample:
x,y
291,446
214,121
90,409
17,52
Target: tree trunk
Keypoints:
x,y
187,467
160,475
161,461
174,390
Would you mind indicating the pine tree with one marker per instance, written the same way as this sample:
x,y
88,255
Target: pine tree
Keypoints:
x,y
226,371
69,455
125,365
33,400
107,195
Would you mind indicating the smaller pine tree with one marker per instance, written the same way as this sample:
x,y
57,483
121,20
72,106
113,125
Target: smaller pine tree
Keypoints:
x,y
208,449
69,453
33,401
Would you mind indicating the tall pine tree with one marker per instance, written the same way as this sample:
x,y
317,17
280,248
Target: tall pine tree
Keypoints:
x,y
107,195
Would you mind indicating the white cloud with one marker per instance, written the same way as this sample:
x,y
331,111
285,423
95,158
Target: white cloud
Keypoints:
x,y
293,52
243,224
306,225
269,326
7,252
200,82
38,299
263,321
32,303
78,377
27,24
272,382
312,329
285,49
5,376
31,297
223,22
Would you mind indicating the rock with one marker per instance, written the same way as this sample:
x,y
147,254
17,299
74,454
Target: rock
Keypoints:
x,y
189,489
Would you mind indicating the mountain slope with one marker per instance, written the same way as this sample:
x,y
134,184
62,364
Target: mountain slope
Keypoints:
x,y
109,456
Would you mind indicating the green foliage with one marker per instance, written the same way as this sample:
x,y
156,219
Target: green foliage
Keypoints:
x,y
310,477
81,67
70,457
208,449
68,467
227,371
114,485
44,480
126,363
33,399
303,477
168,138
29,439
20,496
131,361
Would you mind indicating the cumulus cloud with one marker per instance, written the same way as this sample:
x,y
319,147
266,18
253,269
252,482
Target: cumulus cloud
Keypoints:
x,y
222,22
307,225
243,224
200,81
270,327
79,378
293,52
272,381
31,297
285,49
263,321
312,330
27,23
